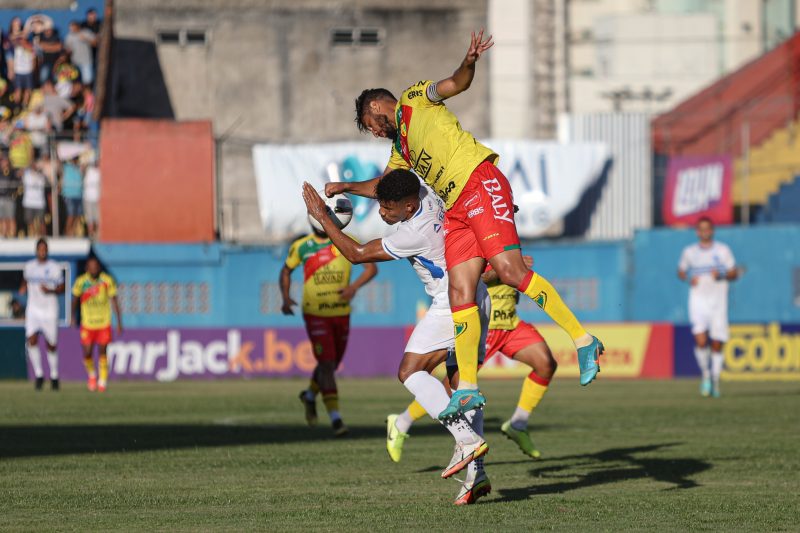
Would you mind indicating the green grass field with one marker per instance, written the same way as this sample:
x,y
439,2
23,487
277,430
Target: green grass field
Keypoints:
x,y
236,455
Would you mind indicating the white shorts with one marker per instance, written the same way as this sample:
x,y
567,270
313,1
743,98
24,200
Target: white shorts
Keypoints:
x,y
712,319
48,326
435,330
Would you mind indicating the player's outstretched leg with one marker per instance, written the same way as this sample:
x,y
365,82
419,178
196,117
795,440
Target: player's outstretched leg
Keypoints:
x,y
467,323
465,452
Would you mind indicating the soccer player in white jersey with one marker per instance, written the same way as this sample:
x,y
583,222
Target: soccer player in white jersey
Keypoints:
x,y
418,215
708,266
43,280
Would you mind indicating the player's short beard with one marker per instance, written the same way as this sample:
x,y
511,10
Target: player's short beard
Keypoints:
x,y
386,126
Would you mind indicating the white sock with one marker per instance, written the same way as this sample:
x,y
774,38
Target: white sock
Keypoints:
x,y
466,385
702,356
334,416
52,362
309,396
403,422
432,396
35,357
519,420
475,419
717,361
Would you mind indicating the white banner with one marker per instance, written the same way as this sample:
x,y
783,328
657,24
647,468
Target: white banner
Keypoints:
x,y
548,180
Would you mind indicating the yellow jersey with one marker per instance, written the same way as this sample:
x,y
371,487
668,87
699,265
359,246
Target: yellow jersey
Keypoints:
x,y
95,297
430,141
504,306
325,273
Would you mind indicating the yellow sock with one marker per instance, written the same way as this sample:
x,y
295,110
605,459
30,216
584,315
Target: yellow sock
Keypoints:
x,y
416,410
103,364
313,387
468,336
88,363
331,401
533,389
545,295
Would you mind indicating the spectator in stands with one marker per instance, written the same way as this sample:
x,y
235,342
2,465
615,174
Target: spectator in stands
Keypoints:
x,y
34,201
24,63
20,147
7,101
8,190
84,102
38,125
58,109
79,42
93,24
91,199
14,31
51,48
72,191
65,73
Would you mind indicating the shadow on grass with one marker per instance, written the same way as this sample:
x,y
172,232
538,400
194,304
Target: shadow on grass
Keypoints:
x,y
31,441
614,465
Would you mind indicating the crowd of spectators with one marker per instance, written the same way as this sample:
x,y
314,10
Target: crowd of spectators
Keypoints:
x,y
46,105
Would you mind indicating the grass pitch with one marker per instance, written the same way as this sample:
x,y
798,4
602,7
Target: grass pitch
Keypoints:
x,y
236,455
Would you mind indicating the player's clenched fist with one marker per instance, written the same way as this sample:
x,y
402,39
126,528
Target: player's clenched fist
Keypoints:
x,y
334,188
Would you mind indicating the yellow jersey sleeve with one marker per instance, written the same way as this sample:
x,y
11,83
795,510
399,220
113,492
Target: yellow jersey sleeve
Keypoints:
x,y
293,258
77,287
111,285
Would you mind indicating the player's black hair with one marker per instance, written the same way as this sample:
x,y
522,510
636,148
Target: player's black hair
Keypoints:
x,y
397,185
366,97
41,240
705,219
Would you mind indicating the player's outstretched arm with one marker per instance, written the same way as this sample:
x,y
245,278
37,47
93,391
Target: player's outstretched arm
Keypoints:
x,y
352,251
359,188
462,77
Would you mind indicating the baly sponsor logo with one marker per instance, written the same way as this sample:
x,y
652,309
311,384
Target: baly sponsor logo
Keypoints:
x,y
502,211
475,212
762,350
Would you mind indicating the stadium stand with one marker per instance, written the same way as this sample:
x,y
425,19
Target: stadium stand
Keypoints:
x,y
48,122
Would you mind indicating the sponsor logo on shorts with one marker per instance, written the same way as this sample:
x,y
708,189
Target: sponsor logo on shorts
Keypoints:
x,y
475,212
318,348
502,211
541,299
491,236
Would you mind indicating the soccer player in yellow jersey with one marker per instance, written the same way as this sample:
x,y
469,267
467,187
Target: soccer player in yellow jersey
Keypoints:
x,y
96,293
327,292
479,223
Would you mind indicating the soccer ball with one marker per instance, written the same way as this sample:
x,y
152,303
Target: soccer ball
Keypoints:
x,y
340,210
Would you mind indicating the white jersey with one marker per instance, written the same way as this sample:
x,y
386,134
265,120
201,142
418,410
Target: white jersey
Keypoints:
x,y
708,298
420,239
698,261
38,275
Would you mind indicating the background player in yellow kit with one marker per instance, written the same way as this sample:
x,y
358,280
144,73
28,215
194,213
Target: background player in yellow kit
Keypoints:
x,y
479,222
515,339
96,292
326,311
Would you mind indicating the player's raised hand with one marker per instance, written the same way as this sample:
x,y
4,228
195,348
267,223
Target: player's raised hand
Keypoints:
x,y
286,308
314,202
477,46
333,188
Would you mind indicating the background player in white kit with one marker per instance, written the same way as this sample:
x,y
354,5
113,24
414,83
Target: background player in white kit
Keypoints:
x,y
418,215
708,265
43,280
